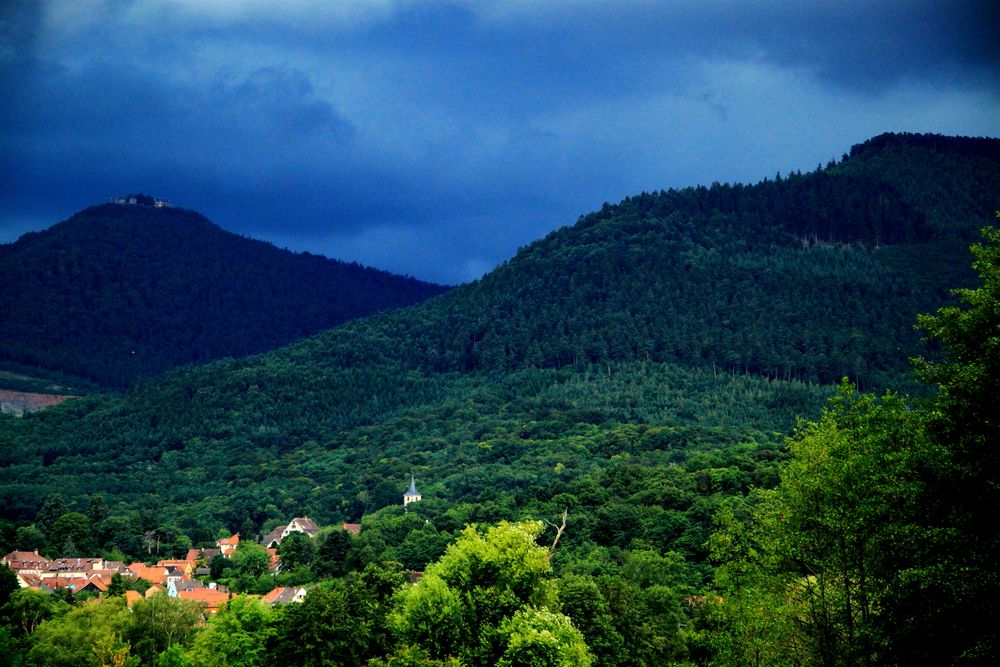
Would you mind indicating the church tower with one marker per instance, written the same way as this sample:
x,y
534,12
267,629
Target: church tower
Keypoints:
x,y
411,495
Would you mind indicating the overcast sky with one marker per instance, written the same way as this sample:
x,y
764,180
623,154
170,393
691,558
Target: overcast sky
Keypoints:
x,y
435,138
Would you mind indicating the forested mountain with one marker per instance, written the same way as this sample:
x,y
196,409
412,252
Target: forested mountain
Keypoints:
x,y
807,277
120,292
640,369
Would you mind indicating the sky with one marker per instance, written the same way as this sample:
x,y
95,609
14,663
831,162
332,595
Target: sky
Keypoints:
x,y
434,139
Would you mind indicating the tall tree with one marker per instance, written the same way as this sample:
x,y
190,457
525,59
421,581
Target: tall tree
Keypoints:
x,y
466,603
963,624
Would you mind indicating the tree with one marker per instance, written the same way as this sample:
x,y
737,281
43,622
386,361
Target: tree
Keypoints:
x,y
97,509
332,554
959,616
29,538
52,508
159,622
582,601
464,604
121,533
117,586
833,545
72,528
542,638
237,636
332,626
296,550
27,608
249,562
91,634
8,583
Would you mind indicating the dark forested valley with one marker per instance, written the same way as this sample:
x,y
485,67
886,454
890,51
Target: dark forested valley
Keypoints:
x,y
661,435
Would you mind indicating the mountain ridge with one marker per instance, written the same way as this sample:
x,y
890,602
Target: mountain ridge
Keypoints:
x,y
118,292
640,319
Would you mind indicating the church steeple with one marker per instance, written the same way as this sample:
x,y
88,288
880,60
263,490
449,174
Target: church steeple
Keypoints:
x,y
411,495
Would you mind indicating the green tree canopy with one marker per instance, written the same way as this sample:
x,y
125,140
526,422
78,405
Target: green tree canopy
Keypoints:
x,y
464,604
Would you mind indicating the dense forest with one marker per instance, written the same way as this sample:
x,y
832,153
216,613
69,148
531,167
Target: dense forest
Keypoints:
x,y
120,292
641,371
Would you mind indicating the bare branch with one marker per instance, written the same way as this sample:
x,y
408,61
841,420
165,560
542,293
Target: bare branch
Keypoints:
x,y
559,532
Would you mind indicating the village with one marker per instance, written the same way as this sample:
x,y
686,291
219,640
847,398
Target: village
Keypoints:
x,y
185,578
189,578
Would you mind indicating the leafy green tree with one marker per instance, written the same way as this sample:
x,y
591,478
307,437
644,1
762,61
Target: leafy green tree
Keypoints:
x,y
52,508
117,586
91,634
460,606
97,509
172,657
542,638
122,534
296,550
382,582
250,562
27,608
412,656
218,566
751,622
29,538
237,636
331,627
8,583
332,554
159,622
838,537
955,614
72,528
583,602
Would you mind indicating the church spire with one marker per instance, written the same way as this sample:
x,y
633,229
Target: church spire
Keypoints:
x,y
411,495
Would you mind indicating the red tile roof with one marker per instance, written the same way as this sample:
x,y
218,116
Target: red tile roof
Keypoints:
x,y
210,597
156,575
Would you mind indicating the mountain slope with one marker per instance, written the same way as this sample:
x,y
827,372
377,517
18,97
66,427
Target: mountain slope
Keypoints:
x,y
120,292
683,328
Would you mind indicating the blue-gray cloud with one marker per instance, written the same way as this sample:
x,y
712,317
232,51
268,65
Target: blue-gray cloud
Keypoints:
x,y
436,138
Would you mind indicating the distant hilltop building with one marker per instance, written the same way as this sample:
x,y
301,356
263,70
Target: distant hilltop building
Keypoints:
x,y
411,495
142,200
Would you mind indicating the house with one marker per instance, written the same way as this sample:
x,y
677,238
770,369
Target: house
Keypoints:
x,y
112,567
273,538
285,595
212,599
227,545
131,597
353,528
296,525
174,575
26,562
154,575
177,586
411,495
93,584
273,565
153,590
185,567
72,567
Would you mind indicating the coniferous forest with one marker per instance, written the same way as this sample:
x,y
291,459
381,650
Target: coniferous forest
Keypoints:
x,y
724,425
121,292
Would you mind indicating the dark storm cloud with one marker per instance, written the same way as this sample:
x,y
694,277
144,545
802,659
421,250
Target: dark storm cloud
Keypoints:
x,y
435,138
